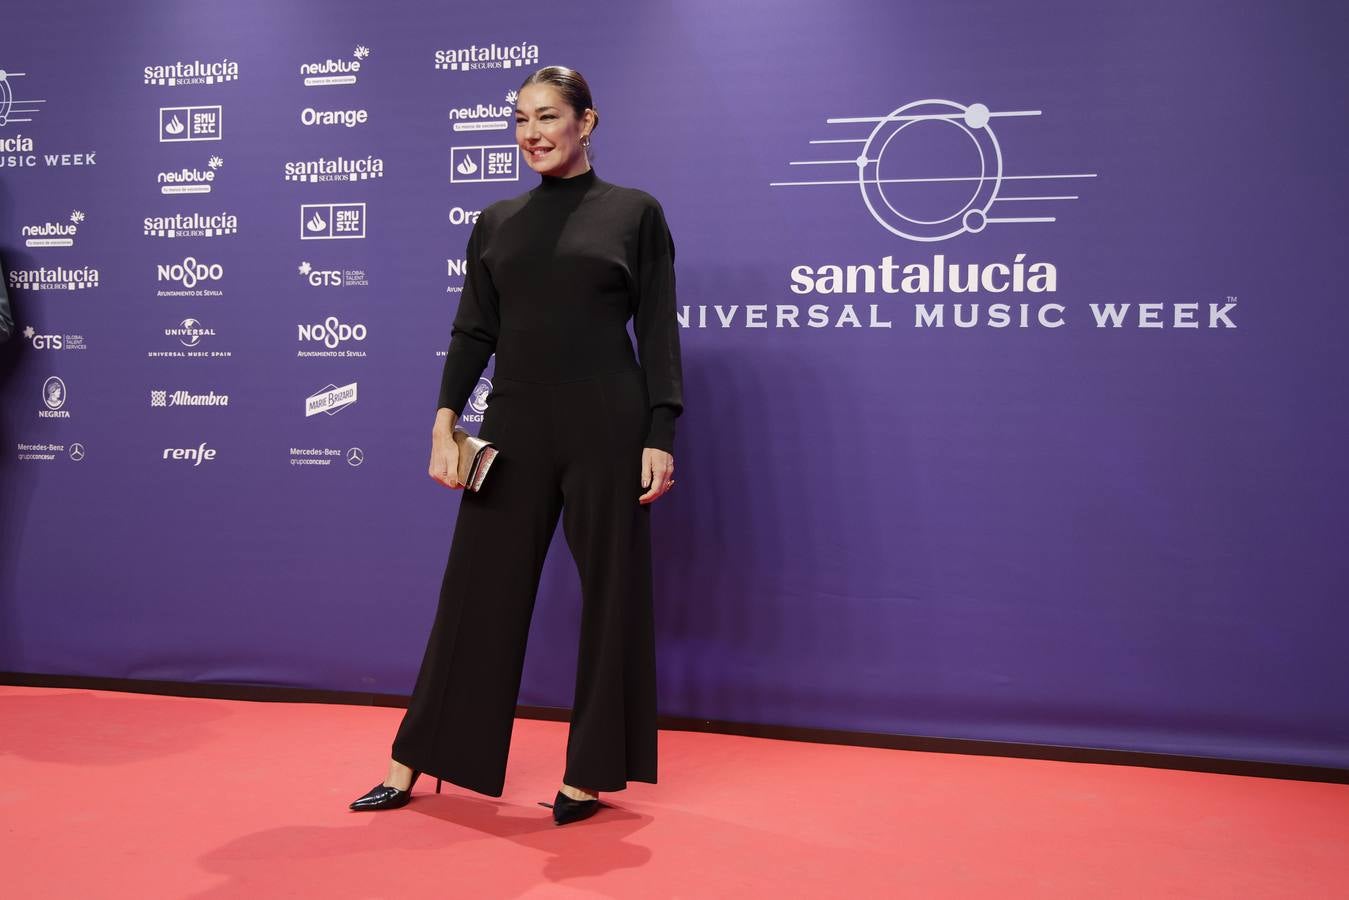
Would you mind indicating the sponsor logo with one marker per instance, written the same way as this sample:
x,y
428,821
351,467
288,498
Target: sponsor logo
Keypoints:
x,y
335,71
53,234
189,123
195,455
189,274
485,116
330,399
165,399
461,216
177,74
190,181
191,225
477,401
49,452
193,336
332,334
488,56
20,151
332,221
54,341
970,193
456,268
326,456
348,118
500,162
338,168
53,398
333,277
53,279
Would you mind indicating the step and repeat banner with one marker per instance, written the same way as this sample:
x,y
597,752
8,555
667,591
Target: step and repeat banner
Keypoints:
x,y
1015,395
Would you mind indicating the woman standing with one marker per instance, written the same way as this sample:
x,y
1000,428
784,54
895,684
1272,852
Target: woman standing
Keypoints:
x,y
584,431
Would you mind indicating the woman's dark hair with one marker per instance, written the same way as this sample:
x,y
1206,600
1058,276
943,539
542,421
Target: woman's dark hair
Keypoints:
x,y
571,84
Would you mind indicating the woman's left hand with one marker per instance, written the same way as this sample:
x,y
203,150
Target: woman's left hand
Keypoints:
x,y
657,474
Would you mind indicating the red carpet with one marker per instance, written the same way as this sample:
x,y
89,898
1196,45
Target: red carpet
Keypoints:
x,y
108,795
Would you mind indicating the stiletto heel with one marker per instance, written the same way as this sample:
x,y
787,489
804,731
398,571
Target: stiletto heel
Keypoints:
x,y
381,796
437,785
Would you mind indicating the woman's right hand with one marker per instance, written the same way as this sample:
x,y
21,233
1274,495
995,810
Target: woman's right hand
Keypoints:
x,y
444,466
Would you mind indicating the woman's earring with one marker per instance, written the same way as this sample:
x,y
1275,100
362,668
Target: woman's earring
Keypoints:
x,y
585,142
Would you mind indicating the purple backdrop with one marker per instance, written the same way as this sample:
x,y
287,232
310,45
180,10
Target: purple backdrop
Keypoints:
x,y
1124,537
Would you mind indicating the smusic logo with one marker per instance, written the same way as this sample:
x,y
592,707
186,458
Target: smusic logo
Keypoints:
x,y
332,221
53,234
500,162
190,123
191,225
177,74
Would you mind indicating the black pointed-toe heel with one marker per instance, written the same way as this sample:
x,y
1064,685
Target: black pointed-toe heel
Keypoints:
x,y
567,810
381,796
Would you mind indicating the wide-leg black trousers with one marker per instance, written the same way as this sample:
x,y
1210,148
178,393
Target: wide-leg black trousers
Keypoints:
x,y
573,448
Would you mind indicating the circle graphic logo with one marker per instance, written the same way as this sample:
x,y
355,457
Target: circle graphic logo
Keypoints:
x,y
355,456
892,170
76,451
54,393
478,400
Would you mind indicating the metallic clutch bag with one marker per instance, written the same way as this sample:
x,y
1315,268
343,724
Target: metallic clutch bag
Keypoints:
x,y
475,458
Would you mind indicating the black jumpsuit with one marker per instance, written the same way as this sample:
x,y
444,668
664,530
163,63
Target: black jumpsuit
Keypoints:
x,y
553,277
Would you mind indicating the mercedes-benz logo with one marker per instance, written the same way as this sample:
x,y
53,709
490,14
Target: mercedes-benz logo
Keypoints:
x,y
77,451
355,456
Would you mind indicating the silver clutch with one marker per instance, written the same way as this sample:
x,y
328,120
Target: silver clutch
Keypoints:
x,y
475,458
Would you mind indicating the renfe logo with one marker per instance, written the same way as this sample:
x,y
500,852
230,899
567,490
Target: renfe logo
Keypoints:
x,y
195,455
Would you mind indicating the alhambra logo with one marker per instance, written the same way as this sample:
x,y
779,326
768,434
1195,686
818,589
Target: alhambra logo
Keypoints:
x,y
53,234
332,72
191,225
896,169
336,168
190,181
488,56
485,116
197,72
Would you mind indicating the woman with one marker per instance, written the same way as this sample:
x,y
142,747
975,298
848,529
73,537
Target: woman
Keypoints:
x,y
583,429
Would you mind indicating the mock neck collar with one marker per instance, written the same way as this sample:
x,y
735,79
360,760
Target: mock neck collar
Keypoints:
x,y
575,184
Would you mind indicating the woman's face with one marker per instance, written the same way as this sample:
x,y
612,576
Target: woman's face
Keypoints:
x,y
549,132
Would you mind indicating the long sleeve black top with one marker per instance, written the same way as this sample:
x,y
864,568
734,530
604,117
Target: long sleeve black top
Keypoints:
x,y
553,276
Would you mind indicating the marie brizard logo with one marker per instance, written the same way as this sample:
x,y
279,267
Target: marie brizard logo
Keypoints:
x,y
895,171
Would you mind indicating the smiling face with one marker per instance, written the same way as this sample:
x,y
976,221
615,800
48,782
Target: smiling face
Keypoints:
x,y
549,132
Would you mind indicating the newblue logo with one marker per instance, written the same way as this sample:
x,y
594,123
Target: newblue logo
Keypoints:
x,y
53,234
333,72
190,181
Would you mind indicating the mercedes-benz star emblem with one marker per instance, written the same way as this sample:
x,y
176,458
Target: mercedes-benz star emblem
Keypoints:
x,y
355,456
77,451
